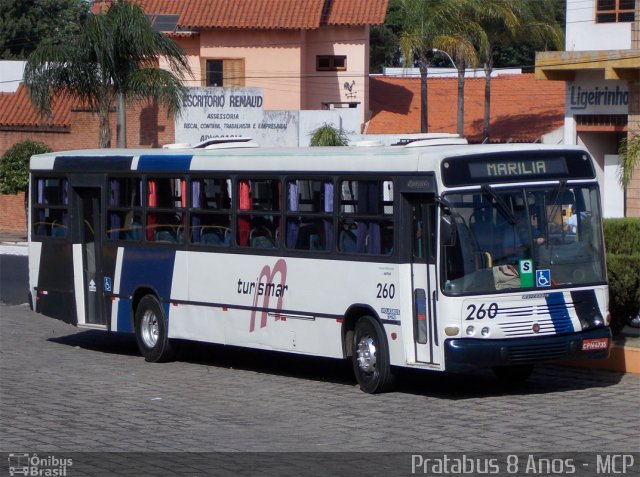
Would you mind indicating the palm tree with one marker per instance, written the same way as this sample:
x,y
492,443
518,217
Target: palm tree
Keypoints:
x,y
115,57
424,23
629,152
460,46
506,22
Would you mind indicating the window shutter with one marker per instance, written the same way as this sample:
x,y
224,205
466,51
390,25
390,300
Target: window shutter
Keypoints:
x,y
233,72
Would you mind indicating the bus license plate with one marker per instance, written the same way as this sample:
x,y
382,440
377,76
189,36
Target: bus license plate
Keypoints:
x,y
595,344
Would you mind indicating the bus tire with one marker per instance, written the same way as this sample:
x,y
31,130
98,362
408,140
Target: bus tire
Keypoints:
x,y
152,333
513,374
370,357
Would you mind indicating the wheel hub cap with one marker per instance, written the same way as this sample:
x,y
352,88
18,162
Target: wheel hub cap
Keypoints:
x,y
367,354
149,329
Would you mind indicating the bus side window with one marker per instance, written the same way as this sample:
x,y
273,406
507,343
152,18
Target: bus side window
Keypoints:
x,y
258,219
366,209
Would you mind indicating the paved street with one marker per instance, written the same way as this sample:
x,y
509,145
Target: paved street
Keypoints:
x,y
64,389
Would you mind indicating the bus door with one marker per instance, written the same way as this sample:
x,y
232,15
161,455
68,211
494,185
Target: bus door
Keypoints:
x,y
89,227
423,246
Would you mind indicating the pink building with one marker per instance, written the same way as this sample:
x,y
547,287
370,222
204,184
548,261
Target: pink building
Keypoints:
x,y
304,54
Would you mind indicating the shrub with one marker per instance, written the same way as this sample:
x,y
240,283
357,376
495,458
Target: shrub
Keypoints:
x,y
327,135
622,239
14,165
622,236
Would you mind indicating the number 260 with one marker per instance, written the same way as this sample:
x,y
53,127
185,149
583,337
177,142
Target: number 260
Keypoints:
x,y
479,313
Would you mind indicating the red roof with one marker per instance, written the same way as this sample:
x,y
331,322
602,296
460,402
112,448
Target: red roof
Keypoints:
x,y
268,14
522,108
16,110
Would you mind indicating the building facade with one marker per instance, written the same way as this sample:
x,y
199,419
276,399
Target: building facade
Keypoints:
x,y
601,69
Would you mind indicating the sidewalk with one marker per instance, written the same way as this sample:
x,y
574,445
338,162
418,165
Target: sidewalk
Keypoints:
x,y
13,243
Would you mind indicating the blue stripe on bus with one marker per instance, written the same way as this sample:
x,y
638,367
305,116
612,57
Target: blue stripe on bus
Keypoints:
x,y
98,163
151,162
559,313
144,268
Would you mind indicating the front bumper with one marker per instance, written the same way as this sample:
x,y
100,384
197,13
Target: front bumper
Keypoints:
x,y
465,353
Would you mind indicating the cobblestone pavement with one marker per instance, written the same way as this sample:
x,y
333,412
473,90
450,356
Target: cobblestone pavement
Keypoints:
x,y
67,389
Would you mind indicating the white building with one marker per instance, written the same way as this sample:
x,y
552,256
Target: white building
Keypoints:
x,y
601,68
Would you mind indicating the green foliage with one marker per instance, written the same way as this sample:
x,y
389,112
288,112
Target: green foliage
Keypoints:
x,y
327,135
115,55
622,239
624,287
25,24
629,157
384,40
384,49
14,166
622,236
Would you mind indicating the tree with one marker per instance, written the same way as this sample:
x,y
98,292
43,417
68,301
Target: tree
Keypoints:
x,y
512,23
384,40
629,152
25,24
14,166
460,46
114,57
432,24
328,135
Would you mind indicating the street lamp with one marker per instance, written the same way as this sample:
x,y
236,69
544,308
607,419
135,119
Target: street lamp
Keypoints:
x,y
435,50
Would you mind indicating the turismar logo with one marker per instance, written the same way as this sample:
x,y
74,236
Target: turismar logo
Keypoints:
x,y
265,287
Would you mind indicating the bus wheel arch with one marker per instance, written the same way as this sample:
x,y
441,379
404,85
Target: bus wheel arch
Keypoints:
x,y
151,329
349,320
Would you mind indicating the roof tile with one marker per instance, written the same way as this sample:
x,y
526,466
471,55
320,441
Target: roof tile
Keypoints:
x,y
17,110
268,14
522,108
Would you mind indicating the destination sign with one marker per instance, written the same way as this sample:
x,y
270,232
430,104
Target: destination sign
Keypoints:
x,y
510,167
515,168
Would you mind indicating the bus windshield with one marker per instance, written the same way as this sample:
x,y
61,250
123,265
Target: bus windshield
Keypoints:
x,y
519,238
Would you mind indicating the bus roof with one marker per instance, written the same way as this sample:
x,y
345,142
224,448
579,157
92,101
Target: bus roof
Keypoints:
x,y
407,158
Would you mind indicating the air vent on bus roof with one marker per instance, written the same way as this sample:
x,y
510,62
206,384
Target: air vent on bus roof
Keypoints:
x,y
437,142
216,143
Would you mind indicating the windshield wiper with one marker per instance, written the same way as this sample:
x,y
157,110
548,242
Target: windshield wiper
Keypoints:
x,y
499,201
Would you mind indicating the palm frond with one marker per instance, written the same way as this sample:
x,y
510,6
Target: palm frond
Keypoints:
x,y
629,152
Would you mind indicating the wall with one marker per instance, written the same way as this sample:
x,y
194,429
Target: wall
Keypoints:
x,y
331,85
12,215
583,34
274,66
147,126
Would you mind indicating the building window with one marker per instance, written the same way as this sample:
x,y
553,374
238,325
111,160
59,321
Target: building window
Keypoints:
x,y
612,11
331,63
227,72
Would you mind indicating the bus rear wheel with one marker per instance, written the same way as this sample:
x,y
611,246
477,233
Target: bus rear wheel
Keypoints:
x,y
370,358
152,333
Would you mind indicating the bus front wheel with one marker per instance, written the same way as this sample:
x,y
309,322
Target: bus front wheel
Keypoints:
x,y
152,334
370,358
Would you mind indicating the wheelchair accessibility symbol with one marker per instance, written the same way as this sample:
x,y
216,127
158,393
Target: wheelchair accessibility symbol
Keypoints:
x,y
543,278
107,284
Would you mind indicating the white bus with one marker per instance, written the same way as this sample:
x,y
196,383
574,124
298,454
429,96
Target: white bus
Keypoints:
x,y
438,257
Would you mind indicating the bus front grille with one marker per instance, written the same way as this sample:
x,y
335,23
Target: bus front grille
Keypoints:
x,y
522,353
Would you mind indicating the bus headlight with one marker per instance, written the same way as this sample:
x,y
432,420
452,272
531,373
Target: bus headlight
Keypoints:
x,y
470,330
451,331
485,331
